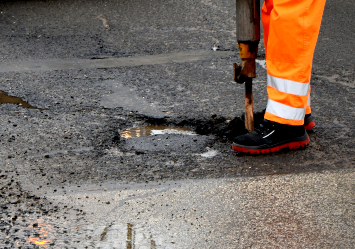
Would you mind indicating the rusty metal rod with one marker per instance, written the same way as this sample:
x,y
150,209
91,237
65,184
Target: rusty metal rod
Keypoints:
x,y
248,36
249,117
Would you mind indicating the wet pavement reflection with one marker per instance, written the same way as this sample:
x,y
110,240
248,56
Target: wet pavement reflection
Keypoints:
x,y
42,233
121,235
209,213
130,236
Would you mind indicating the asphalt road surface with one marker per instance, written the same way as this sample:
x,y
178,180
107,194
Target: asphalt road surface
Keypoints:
x,y
116,119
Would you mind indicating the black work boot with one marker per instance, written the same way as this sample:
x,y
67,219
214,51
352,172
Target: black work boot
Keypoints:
x,y
309,122
270,137
308,119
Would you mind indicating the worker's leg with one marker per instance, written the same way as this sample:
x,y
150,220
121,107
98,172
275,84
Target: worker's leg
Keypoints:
x,y
308,120
308,107
291,29
265,12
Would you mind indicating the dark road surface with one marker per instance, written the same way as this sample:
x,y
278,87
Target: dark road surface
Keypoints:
x,y
75,74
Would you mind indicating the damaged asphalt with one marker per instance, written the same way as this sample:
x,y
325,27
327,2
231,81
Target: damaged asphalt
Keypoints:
x,y
92,69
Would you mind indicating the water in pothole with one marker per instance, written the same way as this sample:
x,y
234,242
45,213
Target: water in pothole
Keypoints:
x,y
6,99
155,130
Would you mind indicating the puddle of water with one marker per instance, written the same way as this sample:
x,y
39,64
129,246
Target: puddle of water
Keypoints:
x,y
155,130
6,99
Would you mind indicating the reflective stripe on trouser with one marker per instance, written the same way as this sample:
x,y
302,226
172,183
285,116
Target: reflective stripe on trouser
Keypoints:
x,y
308,108
291,30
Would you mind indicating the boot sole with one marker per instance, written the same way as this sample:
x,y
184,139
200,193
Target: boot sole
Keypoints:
x,y
291,145
310,126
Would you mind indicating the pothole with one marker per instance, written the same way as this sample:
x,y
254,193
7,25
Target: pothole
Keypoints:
x,y
155,130
6,99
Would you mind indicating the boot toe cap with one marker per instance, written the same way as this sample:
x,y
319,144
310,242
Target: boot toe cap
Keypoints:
x,y
245,140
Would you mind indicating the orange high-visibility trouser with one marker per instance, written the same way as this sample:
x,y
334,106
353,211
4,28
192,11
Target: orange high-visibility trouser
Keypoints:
x,y
291,29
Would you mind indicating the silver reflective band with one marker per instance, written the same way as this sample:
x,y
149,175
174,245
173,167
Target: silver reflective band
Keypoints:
x,y
285,111
269,134
309,100
288,86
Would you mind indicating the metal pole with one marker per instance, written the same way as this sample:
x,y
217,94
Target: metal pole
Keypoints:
x,y
248,36
249,117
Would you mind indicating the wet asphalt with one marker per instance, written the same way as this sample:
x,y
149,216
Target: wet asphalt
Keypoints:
x,y
89,70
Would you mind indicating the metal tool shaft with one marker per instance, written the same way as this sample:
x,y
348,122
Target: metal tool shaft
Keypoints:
x,y
248,36
249,117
